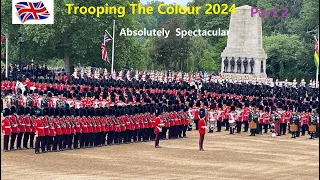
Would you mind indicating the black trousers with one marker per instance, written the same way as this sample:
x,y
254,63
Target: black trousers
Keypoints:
x,y
164,132
88,140
189,126
260,129
157,138
50,142
298,132
69,138
12,140
145,134
93,139
63,141
103,138
57,142
265,127
26,139
304,129
239,124
138,131
170,132
226,124
151,133
134,135
185,126
46,141
40,144
117,137
283,128
201,141
83,140
196,122
252,132
19,140
32,140
219,124
127,135
76,140
110,137
6,142
180,129
246,126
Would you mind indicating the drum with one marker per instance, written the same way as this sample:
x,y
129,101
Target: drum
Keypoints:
x,y
252,125
312,128
293,127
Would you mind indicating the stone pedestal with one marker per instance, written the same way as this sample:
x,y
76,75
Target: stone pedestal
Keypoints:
x,y
245,41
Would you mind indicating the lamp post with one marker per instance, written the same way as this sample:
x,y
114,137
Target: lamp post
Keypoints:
x,y
20,43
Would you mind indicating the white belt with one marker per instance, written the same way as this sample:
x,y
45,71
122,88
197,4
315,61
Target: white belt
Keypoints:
x,y
85,126
78,125
40,127
46,126
14,125
28,125
7,127
23,124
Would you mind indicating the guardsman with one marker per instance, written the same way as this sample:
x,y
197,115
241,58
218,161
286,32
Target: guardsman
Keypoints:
x,y
253,119
185,120
14,127
44,120
33,128
283,120
84,129
52,131
202,128
57,126
6,129
294,122
212,117
77,129
28,122
40,143
158,124
21,126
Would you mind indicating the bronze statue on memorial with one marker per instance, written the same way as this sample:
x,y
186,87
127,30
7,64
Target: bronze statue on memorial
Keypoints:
x,y
239,65
226,63
232,63
251,65
245,65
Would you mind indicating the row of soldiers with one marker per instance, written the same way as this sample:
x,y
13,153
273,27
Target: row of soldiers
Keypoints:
x,y
65,129
260,119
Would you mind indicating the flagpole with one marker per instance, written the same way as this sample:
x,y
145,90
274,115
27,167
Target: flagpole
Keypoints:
x,y
113,36
317,74
7,54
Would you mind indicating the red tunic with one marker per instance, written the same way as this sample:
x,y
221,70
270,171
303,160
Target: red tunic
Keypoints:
x,y
39,127
57,126
6,127
201,123
157,121
28,123
14,124
22,124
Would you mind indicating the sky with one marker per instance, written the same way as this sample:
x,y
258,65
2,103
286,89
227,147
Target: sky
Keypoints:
x,y
181,2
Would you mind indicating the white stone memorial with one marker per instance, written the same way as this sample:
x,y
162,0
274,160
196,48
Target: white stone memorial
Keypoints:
x,y
244,41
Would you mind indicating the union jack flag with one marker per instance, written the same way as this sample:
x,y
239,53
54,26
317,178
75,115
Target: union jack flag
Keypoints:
x,y
106,39
32,10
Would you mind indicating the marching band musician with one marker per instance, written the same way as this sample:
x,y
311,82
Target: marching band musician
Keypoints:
x,y
40,134
202,129
226,115
304,121
260,122
266,118
6,129
285,117
220,114
158,124
294,123
240,117
232,119
212,117
191,115
312,124
253,120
